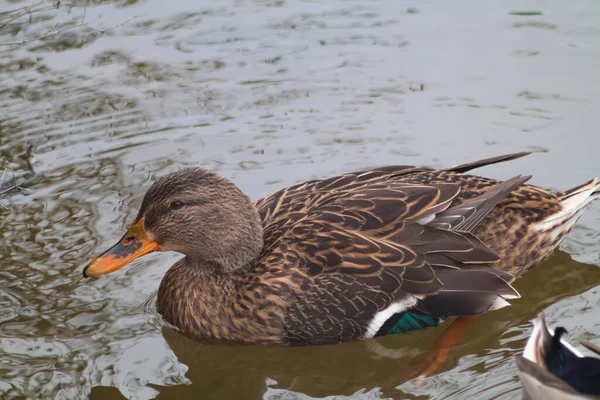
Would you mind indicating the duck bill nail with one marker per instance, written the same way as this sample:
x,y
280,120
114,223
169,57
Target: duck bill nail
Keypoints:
x,y
134,244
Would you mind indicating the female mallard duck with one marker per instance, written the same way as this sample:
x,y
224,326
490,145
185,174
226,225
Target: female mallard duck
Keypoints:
x,y
551,368
364,254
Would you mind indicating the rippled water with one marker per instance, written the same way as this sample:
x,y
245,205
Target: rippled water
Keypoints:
x,y
269,93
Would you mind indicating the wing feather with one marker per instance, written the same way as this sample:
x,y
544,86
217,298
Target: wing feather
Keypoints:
x,y
361,242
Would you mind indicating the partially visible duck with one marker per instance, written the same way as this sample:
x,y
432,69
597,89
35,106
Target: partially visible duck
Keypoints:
x,y
364,254
552,369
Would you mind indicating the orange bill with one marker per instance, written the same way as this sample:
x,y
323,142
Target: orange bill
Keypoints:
x,y
133,245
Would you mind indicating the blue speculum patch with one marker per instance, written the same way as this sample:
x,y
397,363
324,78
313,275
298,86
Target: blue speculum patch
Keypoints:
x,y
406,322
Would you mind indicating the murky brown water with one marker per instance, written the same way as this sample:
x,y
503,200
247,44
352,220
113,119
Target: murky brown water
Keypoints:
x,y
269,93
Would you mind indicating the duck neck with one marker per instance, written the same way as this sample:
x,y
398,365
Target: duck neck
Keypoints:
x,y
192,297
213,269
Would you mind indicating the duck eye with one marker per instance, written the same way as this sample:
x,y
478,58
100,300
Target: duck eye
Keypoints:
x,y
176,204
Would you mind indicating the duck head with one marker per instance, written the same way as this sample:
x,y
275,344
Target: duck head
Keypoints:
x,y
194,212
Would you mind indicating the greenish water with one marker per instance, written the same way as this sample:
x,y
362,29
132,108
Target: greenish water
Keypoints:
x,y
270,93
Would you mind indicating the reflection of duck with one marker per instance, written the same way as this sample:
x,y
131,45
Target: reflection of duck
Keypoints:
x,y
551,368
364,254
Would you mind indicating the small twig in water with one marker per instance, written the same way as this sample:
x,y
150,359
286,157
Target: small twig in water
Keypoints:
x,y
56,29
17,13
11,186
29,158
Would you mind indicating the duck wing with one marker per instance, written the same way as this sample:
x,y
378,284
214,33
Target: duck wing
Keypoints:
x,y
357,257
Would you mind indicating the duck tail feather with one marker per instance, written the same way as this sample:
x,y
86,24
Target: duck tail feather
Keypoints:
x,y
573,202
589,188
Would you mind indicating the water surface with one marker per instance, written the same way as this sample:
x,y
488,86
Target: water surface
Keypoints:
x,y
269,93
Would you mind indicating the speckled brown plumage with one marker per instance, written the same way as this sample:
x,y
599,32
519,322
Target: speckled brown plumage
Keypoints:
x,y
347,257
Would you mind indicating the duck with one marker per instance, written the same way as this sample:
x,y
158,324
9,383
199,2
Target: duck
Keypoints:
x,y
376,252
552,368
